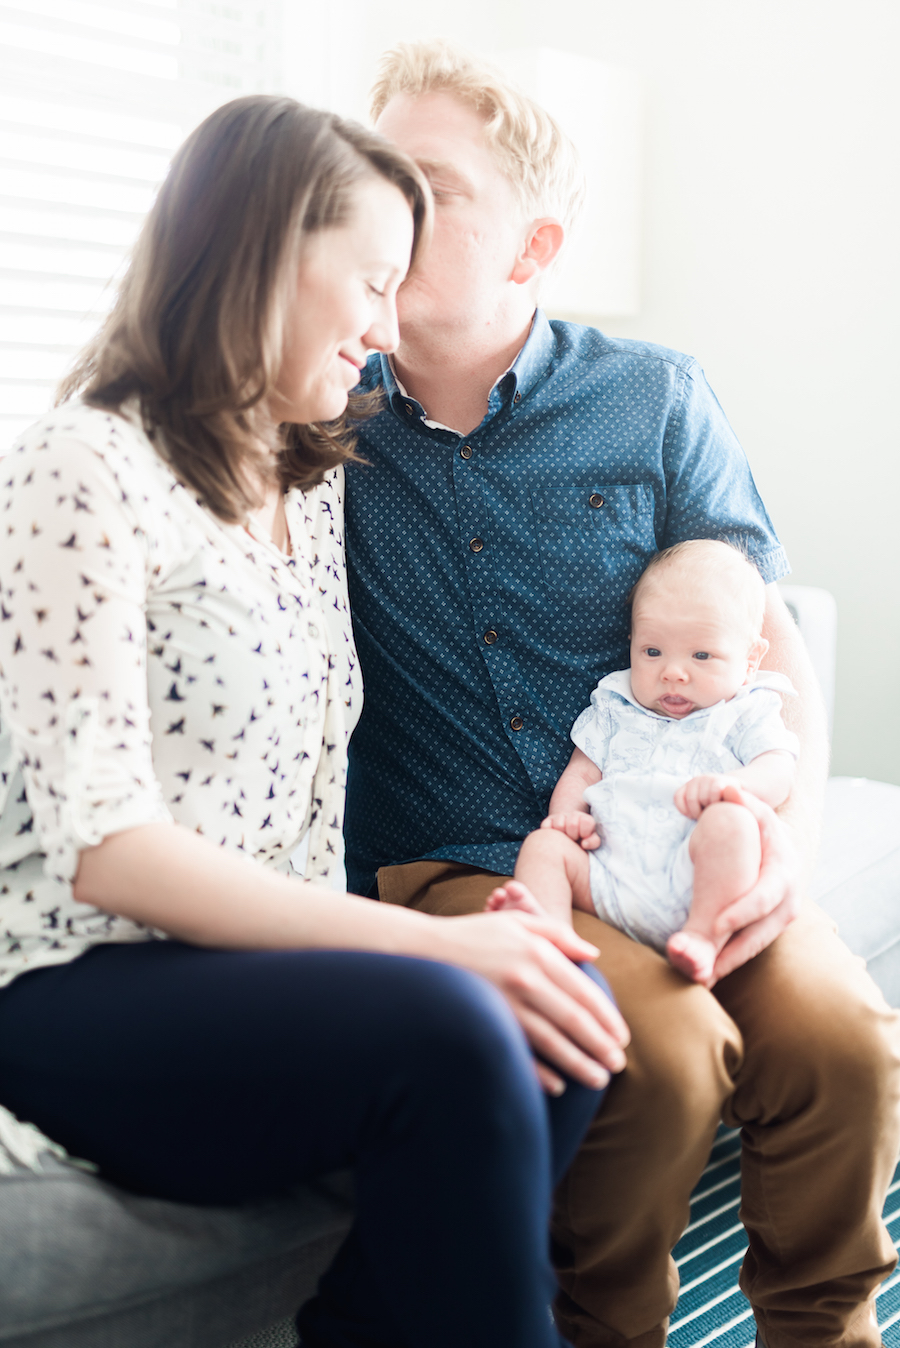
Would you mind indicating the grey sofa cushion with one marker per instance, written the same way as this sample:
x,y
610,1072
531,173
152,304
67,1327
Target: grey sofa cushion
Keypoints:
x,y
858,878
85,1265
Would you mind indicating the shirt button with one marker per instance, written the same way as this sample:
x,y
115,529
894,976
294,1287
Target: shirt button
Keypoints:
x,y
517,398
595,499
516,723
490,636
476,545
466,452
409,410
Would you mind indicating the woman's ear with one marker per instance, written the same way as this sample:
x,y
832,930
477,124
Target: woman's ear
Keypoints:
x,y
755,655
542,243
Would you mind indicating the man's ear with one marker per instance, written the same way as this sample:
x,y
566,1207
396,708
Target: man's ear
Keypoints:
x,y
755,655
542,243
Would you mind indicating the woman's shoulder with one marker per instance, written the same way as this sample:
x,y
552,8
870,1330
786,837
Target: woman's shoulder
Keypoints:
x,y
319,510
330,491
77,435
108,453
101,428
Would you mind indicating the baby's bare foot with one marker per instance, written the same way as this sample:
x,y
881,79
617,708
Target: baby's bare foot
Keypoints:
x,y
514,897
692,955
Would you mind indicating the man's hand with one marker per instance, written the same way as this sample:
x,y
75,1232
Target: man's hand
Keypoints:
x,y
753,921
577,825
693,797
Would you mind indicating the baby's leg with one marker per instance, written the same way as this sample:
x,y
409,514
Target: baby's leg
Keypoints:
x,y
552,866
725,850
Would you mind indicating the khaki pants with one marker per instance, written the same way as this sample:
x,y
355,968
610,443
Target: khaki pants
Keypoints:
x,y
799,1049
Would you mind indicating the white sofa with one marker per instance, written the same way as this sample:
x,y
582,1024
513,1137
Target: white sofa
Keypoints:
x,y
857,880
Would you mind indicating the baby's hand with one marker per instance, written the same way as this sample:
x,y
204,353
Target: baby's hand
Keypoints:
x,y
692,798
578,826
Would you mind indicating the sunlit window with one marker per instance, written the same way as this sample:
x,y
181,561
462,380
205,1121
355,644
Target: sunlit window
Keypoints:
x,y
94,98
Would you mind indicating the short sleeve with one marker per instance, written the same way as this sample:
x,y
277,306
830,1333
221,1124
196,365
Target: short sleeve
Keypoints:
x,y
761,730
710,488
73,657
592,731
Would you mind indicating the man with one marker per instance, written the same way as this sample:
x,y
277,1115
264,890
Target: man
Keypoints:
x,y
522,474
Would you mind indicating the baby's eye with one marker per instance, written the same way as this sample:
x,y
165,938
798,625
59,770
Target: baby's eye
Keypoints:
x,y
653,651
701,655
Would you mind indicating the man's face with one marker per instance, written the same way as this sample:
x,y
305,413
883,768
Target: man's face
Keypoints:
x,y
479,225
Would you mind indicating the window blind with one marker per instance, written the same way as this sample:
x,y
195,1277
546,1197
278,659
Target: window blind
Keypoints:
x,y
94,97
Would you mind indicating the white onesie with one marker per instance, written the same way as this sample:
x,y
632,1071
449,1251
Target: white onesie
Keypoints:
x,y
642,875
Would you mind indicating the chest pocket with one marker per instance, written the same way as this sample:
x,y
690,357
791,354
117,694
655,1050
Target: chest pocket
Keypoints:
x,y
594,539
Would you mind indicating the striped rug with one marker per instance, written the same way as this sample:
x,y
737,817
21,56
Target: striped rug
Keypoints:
x,y
711,1309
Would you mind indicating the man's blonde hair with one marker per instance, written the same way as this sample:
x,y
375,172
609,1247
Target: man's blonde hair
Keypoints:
x,y
533,152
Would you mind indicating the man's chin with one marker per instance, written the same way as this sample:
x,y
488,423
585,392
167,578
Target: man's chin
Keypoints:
x,y
421,312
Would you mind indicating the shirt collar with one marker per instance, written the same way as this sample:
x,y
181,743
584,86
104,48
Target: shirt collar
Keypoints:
x,y
532,362
529,366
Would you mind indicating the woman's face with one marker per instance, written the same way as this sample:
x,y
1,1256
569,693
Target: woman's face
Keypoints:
x,y
345,304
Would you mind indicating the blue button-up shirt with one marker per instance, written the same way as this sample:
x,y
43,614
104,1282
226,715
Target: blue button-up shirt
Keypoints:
x,y
489,577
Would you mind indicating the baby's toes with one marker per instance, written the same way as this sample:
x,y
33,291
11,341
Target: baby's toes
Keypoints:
x,y
521,897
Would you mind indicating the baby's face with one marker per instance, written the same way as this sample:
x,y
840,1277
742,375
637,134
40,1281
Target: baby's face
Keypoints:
x,y
687,654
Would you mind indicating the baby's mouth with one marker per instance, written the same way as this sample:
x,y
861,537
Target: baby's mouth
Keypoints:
x,y
676,705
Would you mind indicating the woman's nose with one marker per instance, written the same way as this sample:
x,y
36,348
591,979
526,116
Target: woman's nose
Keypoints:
x,y
384,333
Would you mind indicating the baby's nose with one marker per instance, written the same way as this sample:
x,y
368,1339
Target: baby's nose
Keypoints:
x,y
675,673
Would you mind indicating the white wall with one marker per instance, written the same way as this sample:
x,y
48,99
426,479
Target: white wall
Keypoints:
x,y
771,251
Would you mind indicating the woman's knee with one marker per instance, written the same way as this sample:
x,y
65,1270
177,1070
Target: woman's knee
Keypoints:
x,y
457,1018
460,1072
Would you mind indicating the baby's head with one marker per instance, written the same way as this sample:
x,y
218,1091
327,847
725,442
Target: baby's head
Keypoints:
x,y
696,617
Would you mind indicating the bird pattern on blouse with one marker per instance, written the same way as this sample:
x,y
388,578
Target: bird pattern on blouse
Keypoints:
x,y
157,664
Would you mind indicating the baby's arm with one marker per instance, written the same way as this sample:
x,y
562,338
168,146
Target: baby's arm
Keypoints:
x,y
567,811
769,776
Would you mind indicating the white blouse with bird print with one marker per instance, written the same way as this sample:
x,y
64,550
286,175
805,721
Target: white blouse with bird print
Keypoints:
x,y
157,664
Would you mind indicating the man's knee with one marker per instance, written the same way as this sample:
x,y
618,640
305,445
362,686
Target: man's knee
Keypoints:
x,y
837,1043
816,1028
685,1049
688,1064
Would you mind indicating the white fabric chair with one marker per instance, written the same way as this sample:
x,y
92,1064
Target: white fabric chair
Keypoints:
x,y
857,880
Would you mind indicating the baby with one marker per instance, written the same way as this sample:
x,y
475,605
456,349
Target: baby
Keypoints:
x,y
638,830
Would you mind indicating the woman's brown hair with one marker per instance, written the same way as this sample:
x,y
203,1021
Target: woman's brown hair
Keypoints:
x,y
196,331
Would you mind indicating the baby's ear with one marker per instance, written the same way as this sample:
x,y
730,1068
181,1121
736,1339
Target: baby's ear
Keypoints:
x,y
755,655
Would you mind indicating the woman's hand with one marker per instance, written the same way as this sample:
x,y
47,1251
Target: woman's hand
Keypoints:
x,y
569,1022
168,877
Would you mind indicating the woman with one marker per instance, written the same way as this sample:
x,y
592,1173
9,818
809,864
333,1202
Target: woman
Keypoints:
x,y
178,685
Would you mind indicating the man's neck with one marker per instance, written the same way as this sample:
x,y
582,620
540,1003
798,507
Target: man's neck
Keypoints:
x,y
452,377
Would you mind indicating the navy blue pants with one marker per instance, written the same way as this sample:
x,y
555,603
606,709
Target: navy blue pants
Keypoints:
x,y
221,1077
